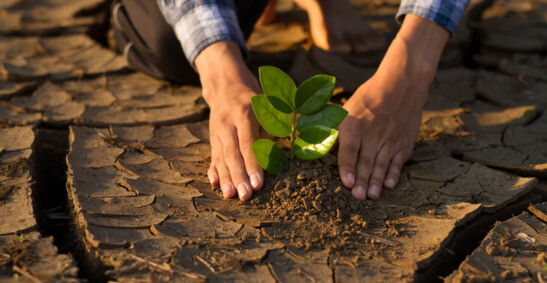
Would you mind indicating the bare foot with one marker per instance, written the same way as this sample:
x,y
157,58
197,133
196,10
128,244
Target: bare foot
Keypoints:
x,y
337,27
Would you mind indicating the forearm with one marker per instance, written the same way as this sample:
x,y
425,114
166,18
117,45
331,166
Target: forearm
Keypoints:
x,y
200,23
219,65
412,59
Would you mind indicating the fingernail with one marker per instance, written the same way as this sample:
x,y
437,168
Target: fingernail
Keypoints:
x,y
350,179
390,183
243,191
360,192
227,190
375,191
212,179
255,180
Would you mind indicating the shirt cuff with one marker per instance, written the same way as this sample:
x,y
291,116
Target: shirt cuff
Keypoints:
x,y
206,24
446,13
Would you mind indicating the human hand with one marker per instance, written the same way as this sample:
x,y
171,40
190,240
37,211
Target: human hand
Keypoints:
x,y
228,87
377,137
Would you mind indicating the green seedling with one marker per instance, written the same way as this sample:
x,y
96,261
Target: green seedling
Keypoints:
x,y
302,114
21,238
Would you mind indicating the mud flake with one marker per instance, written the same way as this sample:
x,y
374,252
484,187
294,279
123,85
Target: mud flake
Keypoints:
x,y
130,221
428,236
496,157
514,259
192,153
428,151
112,238
134,134
16,138
15,116
96,98
491,188
518,135
17,210
462,212
456,84
179,208
94,157
120,116
503,90
44,98
200,130
172,137
148,186
119,206
65,113
486,118
158,169
442,169
10,89
205,226
82,137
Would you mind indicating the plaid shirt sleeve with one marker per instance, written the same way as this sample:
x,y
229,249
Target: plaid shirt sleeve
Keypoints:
x,y
200,23
446,13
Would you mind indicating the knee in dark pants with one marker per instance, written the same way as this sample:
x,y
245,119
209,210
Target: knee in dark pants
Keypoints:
x,y
148,43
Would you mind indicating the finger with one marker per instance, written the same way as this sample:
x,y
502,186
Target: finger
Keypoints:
x,y
234,162
381,164
247,135
394,170
225,180
364,166
213,174
347,156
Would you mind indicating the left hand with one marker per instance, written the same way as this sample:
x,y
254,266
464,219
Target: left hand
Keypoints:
x,y
378,135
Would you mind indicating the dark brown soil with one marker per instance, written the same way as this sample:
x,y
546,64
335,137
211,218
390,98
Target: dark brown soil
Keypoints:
x,y
15,253
311,208
14,169
5,191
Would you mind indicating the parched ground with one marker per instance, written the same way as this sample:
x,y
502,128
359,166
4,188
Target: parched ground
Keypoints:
x,y
103,170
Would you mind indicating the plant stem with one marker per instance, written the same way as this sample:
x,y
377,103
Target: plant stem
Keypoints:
x,y
293,134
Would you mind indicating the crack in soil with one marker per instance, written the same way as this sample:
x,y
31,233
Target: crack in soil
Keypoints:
x,y
54,216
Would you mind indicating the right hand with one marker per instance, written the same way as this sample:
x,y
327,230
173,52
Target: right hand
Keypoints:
x,y
228,86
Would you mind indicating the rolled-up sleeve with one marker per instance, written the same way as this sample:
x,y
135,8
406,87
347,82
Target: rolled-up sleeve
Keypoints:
x,y
200,23
446,13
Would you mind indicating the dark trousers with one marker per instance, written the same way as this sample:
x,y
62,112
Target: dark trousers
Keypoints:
x,y
150,45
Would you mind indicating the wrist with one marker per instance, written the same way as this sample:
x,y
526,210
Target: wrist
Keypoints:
x,y
424,42
221,65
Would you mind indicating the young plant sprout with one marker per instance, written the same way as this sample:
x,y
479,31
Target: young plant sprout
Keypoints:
x,y
302,114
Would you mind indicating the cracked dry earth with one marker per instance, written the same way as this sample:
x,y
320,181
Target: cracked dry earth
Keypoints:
x,y
103,170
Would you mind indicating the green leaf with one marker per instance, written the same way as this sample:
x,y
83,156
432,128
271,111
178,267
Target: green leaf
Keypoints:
x,y
279,104
278,84
314,142
331,116
272,120
313,94
269,156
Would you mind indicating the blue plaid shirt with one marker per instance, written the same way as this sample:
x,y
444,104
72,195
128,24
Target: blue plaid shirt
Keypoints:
x,y
200,23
